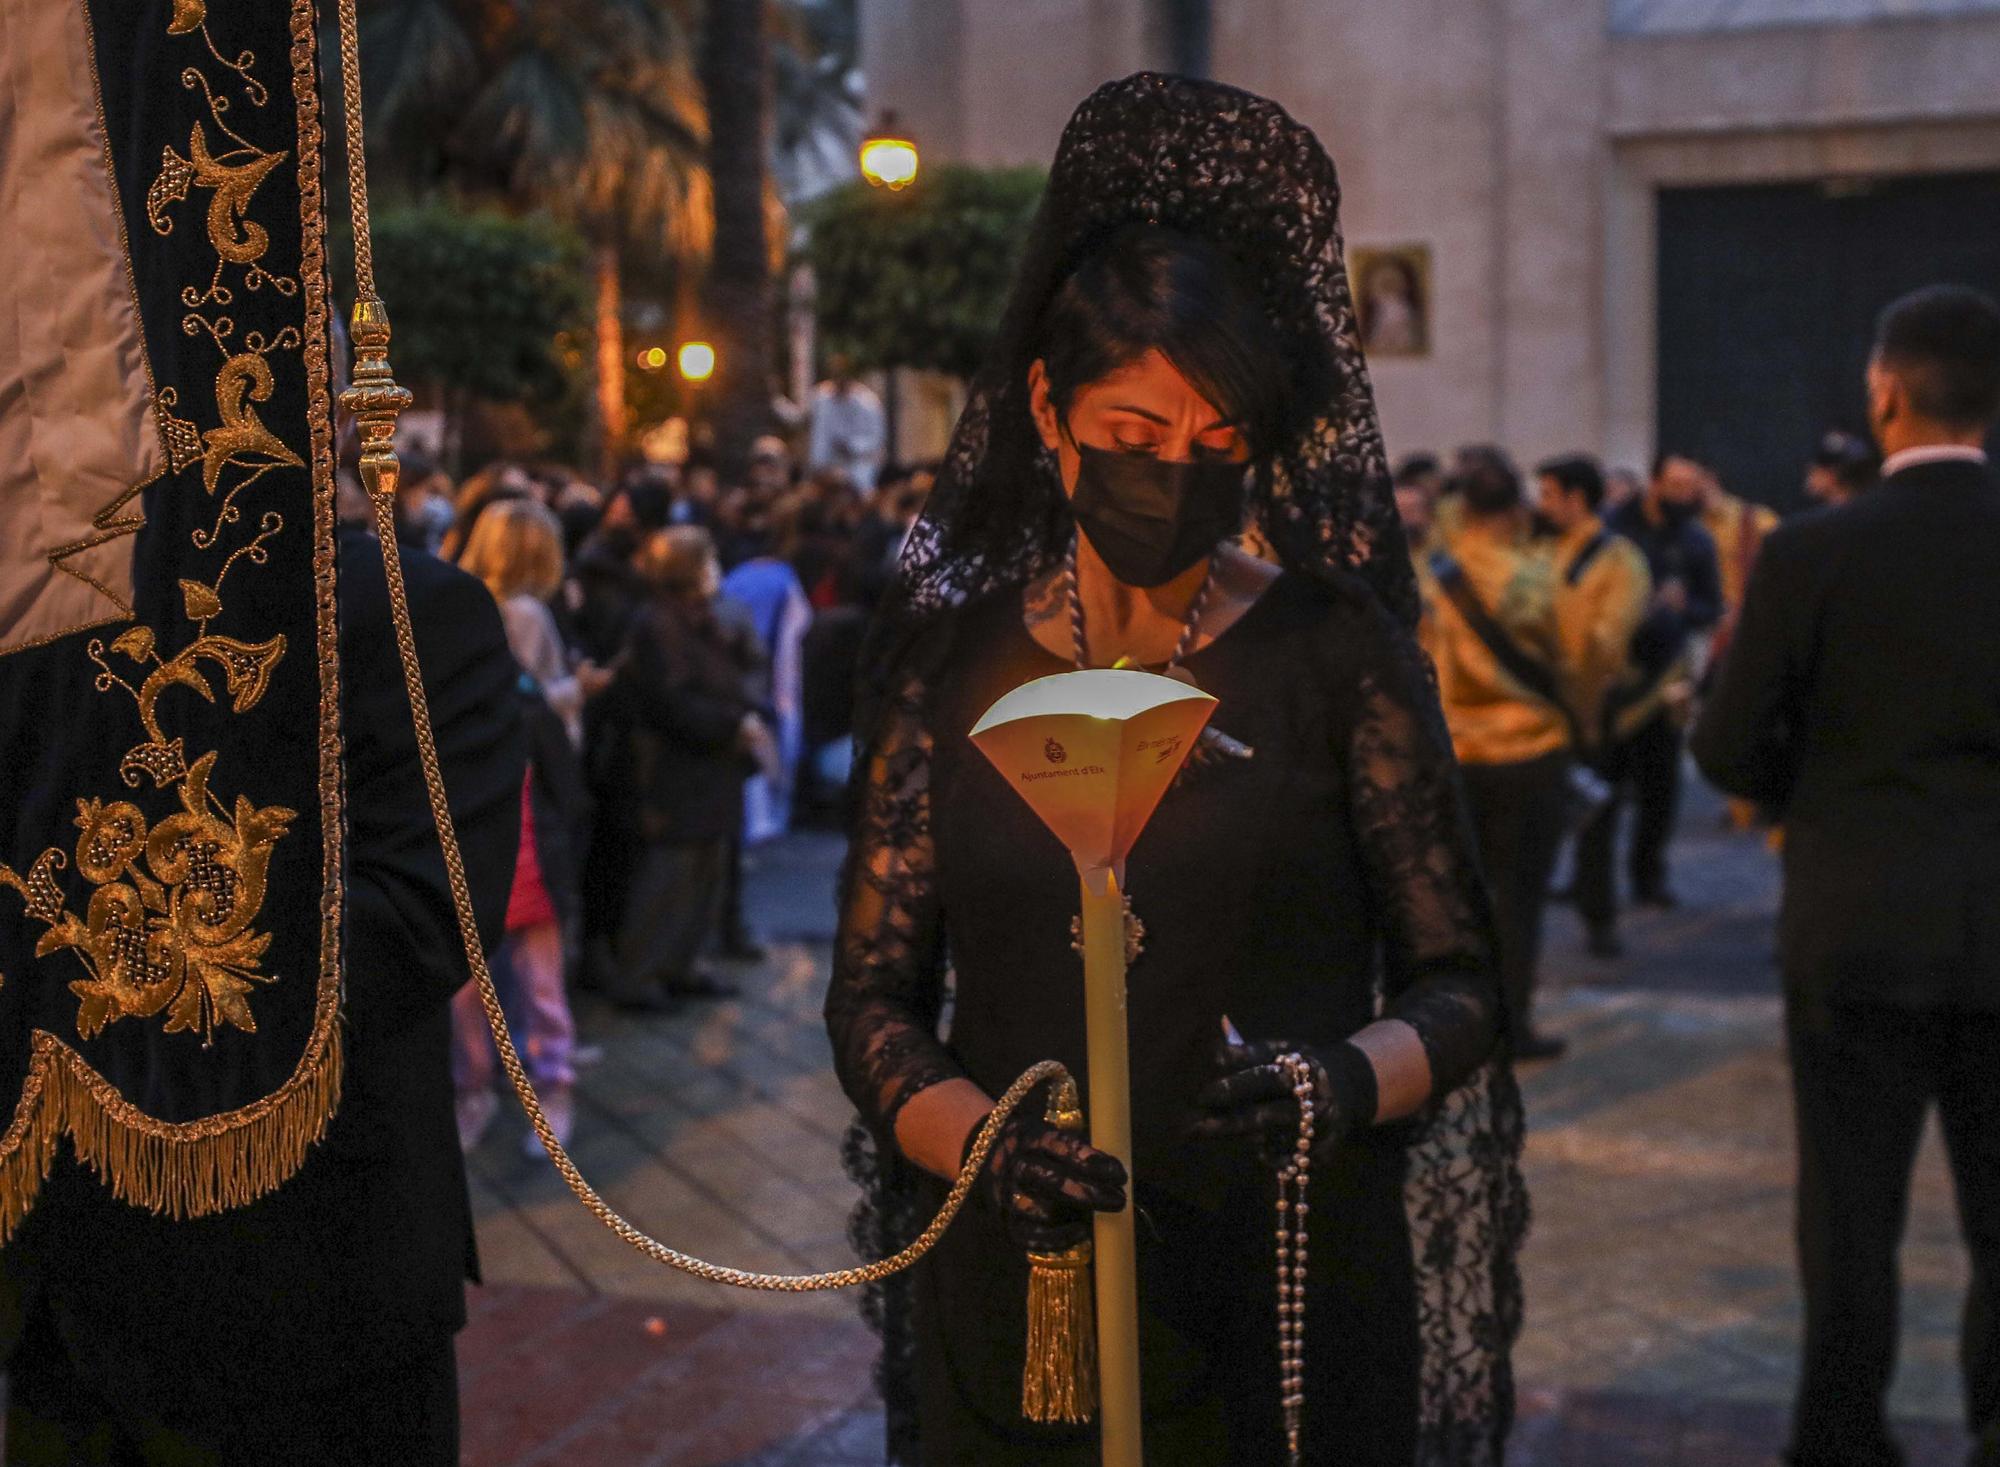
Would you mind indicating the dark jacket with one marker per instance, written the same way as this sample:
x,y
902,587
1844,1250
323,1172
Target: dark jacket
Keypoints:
x,y
1860,700
1674,552
360,1259
676,769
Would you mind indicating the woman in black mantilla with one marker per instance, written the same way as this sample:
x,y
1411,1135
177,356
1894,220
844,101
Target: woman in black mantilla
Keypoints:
x,y
1178,366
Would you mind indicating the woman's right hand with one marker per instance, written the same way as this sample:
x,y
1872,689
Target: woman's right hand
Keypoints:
x,y
1046,1182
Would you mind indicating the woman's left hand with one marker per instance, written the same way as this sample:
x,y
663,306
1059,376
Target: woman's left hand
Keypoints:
x,y
1250,1094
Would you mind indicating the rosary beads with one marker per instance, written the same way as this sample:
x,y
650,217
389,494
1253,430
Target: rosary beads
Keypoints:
x,y
1292,1209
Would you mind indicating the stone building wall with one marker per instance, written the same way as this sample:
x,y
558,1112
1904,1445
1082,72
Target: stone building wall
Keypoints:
x,y
1522,142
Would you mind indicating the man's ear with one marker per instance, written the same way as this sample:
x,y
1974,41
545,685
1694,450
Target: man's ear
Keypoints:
x,y
1043,410
1885,394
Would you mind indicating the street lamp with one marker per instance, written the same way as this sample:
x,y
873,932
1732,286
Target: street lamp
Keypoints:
x,y
888,159
696,360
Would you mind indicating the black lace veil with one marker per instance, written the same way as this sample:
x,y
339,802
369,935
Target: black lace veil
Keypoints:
x,y
1236,170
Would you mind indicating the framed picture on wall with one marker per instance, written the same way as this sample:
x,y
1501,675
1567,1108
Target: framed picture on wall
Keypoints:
x,y
1392,297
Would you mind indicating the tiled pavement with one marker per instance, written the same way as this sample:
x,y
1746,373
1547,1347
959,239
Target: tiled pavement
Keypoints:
x,y
1663,1316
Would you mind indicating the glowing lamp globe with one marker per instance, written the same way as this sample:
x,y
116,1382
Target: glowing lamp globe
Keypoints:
x,y
697,361
888,160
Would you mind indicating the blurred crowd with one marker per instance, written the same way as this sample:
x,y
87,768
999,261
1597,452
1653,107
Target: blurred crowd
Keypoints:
x,y
687,651
1574,615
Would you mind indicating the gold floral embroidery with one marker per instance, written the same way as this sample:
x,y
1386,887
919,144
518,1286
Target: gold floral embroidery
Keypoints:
x,y
188,16
244,379
236,237
174,933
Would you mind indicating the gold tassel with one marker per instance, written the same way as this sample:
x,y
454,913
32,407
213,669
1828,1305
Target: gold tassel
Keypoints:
x,y
179,1171
1059,1375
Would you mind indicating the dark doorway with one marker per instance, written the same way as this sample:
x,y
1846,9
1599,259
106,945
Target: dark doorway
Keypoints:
x,y
1768,299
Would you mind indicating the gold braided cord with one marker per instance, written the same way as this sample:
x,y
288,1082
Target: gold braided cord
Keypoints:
x,y
357,161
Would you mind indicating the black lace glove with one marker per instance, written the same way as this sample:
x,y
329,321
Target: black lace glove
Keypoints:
x,y
1046,1182
1250,1094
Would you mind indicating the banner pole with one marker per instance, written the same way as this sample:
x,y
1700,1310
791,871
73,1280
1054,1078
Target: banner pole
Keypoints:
x,y
1116,1253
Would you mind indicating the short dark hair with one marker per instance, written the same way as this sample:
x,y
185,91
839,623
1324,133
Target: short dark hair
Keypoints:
x,y
1578,473
1145,288
1488,481
1943,342
1667,455
1417,466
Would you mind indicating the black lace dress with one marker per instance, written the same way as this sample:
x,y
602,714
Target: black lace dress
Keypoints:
x,y
1302,892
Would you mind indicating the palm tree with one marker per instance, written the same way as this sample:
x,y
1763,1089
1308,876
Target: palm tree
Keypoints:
x,y
584,108
735,81
816,106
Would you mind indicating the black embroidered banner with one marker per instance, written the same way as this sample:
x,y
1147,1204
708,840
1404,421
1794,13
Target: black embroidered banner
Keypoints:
x,y
169,735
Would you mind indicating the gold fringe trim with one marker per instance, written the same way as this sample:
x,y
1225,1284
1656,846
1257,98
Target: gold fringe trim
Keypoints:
x,y
178,1171
1059,1376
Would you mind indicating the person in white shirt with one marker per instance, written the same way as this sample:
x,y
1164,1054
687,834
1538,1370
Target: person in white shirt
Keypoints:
x,y
849,431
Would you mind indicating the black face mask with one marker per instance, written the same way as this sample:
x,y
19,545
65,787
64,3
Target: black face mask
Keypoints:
x,y
1149,519
1678,514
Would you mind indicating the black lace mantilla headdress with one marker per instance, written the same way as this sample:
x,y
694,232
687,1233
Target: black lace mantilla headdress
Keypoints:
x,y
1230,168
1237,171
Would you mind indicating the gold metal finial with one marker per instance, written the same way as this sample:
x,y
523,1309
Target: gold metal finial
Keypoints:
x,y
1065,1108
375,399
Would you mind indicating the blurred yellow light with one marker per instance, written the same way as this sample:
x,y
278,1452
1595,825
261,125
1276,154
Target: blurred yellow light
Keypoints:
x,y
891,162
653,358
697,361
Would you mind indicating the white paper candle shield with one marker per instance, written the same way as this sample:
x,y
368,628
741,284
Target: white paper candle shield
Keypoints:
x,y
1092,752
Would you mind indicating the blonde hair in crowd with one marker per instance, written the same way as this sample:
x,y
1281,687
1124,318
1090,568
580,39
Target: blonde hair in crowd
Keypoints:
x,y
516,548
675,561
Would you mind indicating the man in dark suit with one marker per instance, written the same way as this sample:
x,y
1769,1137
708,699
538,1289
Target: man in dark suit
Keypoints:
x,y
1861,702
314,1327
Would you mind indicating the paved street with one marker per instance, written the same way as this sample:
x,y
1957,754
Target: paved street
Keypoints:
x,y
1663,1317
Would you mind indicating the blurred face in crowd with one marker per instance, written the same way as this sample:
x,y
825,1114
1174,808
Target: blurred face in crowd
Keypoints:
x,y
618,515
703,485
1679,489
1413,507
1823,485
1621,486
1563,508
680,564
770,465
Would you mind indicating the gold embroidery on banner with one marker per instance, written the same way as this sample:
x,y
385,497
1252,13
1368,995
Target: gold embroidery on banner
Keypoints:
x,y
244,379
198,875
170,187
173,933
189,15
236,237
183,439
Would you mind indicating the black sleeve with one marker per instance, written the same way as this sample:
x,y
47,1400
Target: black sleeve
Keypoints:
x,y
887,991
403,947
1745,739
1417,848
